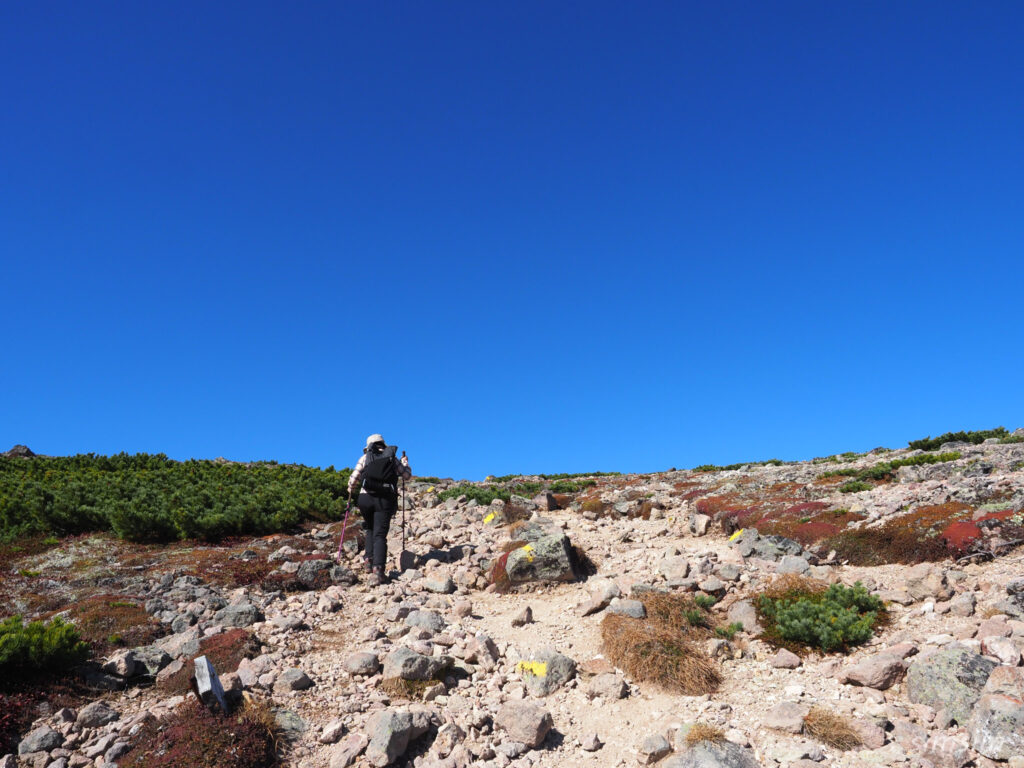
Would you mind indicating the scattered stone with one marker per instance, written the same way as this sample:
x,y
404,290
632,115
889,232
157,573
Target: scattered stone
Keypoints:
x,y
292,679
793,564
208,685
392,730
652,749
41,739
590,743
523,618
880,672
743,612
784,659
425,619
632,608
926,580
524,721
238,615
719,754
406,664
786,716
345,753
607,686
96,714
363,663
546,672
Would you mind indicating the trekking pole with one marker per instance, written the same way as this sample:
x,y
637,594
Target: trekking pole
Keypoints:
x,y
344,529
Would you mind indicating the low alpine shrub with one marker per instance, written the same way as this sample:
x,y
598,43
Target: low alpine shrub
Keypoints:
x,y
832,620
855,486
975,438
729,632
54,646
704,601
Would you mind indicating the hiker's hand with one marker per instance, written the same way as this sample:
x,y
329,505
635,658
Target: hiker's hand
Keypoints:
x,y
405,460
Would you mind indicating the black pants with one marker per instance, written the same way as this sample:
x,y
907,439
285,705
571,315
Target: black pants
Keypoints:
x,y
377,512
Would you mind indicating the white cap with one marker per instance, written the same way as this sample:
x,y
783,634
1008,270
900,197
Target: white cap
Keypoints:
x,y
374,439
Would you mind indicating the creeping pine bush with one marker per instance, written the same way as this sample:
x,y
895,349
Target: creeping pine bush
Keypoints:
x,y
834,619
976,438
37,647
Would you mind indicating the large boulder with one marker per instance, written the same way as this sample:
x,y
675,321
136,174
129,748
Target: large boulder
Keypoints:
x,y
713,754
392,730
238,615
743,612
96,714
525,722
547,557
952,678
406,664
996,726
547,671
42,739
751,544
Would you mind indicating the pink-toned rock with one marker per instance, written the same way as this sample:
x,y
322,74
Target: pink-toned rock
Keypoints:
x,y
872,735
347,751
784,659
1003,648
880,672
901,650
786,716
945,751
993,628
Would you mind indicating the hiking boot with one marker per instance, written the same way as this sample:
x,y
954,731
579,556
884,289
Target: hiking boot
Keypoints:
x,y
367,565
380,575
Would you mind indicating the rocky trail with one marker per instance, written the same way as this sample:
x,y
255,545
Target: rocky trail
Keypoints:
x,y
443,668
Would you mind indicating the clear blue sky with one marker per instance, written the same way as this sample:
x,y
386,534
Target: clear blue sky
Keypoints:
x,y
513,237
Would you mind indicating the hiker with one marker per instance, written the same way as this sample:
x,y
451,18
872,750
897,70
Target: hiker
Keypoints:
x,y
378,471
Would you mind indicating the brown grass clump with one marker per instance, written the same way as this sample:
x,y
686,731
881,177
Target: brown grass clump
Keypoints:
x,y
193,736
832,729
410,690
703,732
108,622
793,586
663,648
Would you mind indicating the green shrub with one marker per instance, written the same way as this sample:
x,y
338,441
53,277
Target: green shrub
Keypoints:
x,y
730,467
705,601
976,437
54,646
571,486
835,619
729,632
483,494
854,486
150,498
695,617
1012,439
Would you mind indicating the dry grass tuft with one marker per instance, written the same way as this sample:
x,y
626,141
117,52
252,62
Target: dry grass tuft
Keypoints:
x,y
411,690
832,729
793,585
663,648
703,732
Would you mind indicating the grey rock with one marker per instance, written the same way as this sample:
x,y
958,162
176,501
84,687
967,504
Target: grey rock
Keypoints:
x,y
289,724
183,621
744,612
632,608
118,750
712,585
793,564
698,524
608,686
719,754
406,664
443,586
945,751
391,731
926,580
238,615
41,739
729,572
426,620
293,679
96,714
547,558
786,716
652,749
524,721
363,663
951,678
150,659
315,574
675,567
523,618
751,544
123,663
963,604
547,671
341,575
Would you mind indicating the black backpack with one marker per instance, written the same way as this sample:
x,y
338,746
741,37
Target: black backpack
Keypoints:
x,y
380,476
